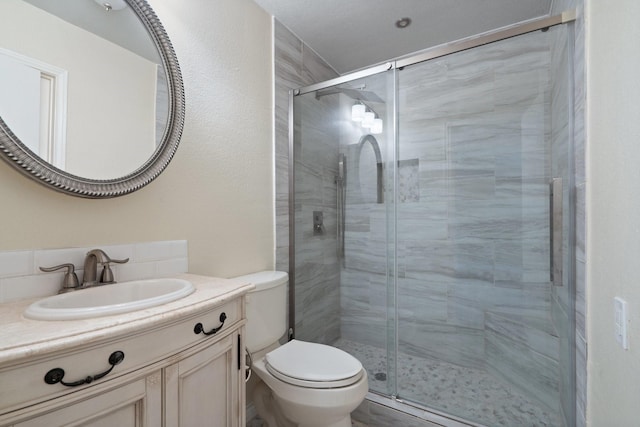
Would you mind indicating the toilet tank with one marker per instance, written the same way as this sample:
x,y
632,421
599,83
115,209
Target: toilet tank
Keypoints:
x,y
266,308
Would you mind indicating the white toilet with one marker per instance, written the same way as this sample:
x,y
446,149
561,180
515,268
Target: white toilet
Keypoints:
x,y
303,384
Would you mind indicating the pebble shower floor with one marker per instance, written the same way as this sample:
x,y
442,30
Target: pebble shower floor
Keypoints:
x,y
471,394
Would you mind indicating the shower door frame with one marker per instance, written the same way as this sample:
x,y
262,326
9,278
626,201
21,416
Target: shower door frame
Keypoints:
x,y
531,26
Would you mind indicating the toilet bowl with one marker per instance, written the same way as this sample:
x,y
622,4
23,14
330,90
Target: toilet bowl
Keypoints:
x,y
302,384
313,385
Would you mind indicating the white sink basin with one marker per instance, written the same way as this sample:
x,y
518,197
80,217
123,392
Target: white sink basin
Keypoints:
x,y
109,299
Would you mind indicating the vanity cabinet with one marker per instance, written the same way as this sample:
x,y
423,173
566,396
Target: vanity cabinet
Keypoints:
x,y
173,375
203,389
135,404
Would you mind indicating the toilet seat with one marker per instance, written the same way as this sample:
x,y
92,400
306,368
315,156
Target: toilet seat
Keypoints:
x,y
313,365
315,384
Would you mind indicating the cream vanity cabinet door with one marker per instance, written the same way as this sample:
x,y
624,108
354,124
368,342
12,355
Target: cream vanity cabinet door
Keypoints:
x,y
203,388
135,404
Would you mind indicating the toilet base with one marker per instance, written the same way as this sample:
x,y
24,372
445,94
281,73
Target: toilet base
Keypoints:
x,y
345,422
282,405
267,407
269,410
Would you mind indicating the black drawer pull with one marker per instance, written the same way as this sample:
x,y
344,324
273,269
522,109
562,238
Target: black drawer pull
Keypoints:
x,y
56,375
200,329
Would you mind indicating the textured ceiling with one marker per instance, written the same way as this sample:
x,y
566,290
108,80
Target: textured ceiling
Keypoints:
x,y
354,34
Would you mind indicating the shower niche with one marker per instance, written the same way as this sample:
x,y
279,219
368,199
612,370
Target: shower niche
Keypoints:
x,y
434,268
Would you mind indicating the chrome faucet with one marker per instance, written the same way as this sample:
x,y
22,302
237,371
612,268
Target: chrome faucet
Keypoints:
x,y
91,261
70,282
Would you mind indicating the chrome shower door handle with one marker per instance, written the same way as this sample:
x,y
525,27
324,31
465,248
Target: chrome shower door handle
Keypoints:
x,y
379,182
341,195
555,224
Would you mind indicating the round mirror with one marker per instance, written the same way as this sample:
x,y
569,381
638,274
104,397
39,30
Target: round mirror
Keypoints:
x,y
91,96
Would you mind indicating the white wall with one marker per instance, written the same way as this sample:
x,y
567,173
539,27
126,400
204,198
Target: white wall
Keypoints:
x,y
613,208
218,191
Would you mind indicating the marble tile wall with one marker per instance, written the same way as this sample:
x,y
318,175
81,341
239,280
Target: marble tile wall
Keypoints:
x,y
295,65
21,278
316,269
317,282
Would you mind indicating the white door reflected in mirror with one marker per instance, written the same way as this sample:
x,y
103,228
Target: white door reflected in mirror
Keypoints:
x,y
34,92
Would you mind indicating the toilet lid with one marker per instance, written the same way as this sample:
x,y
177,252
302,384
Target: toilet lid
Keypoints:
x,y
311,362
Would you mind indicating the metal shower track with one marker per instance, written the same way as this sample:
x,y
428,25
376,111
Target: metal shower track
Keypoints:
x,y
447,49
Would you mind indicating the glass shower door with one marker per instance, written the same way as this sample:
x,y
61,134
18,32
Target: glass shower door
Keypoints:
x,y
482,328
344,245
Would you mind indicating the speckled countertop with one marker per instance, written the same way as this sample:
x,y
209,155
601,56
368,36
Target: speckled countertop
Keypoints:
x,y
21,337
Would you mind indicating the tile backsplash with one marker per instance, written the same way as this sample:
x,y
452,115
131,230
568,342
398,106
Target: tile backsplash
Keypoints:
x,y
21,278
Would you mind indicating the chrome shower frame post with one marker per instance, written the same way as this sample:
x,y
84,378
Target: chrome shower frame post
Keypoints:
x,y
393,339
573,215
292,220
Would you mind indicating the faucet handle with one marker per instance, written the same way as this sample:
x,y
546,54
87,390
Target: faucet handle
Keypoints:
x,y
70,281
117,261
107,274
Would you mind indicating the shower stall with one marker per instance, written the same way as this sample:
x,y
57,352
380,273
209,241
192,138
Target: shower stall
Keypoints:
x,y
437,247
